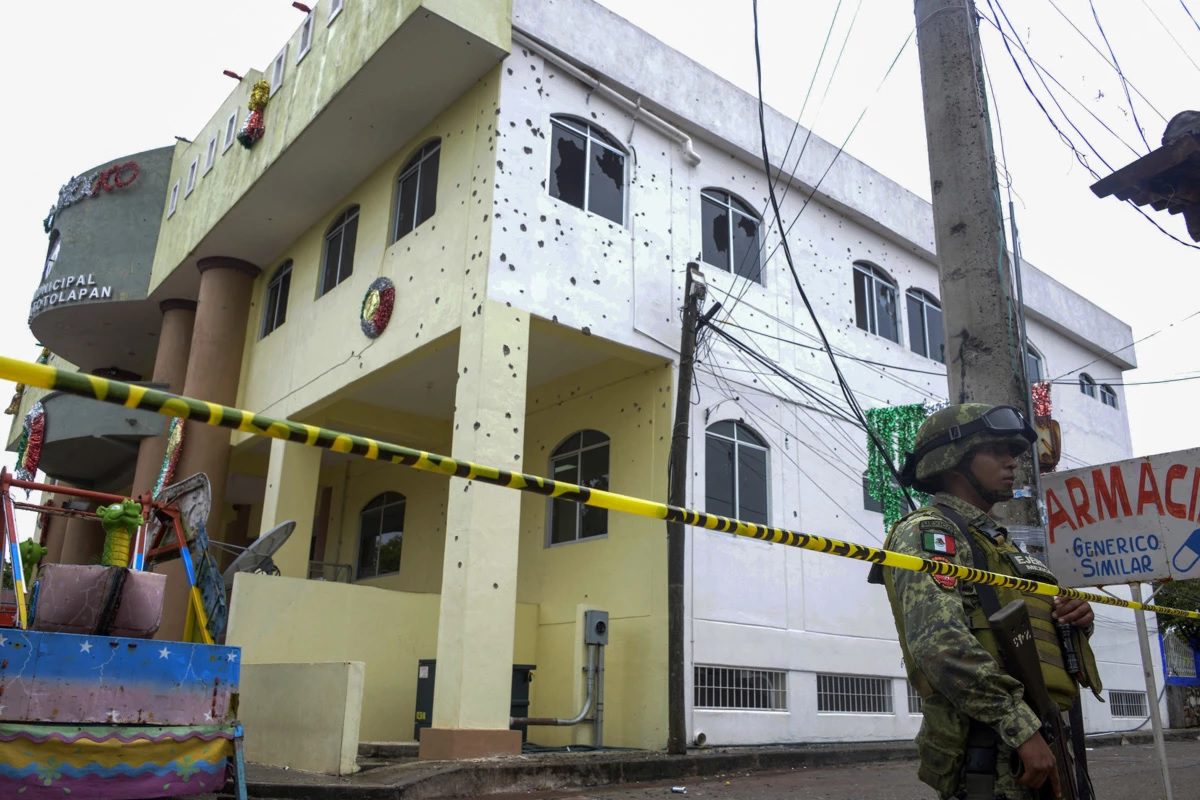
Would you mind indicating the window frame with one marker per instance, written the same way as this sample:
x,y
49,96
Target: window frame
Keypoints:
x,y
559,453
732,204
415,164
338,225
756,441
230,131
926,300
53,248
388,499
173,203
1087,385
210,154
1032,353
278,70
282,272
306,34
1108,396
193,172
335,8
875,275
591,134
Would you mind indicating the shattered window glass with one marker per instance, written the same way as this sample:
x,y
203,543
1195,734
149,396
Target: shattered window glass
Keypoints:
x,y
587,169
567,160
715,229
875,302
729,233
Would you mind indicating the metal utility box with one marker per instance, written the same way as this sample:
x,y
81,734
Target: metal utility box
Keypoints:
x,y
595,627
522,676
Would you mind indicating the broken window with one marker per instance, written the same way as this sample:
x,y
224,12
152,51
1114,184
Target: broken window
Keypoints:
x,y
875,301
416,189
275,308
735,466
925,334
381,535
730,234
582,460
587,168
339,249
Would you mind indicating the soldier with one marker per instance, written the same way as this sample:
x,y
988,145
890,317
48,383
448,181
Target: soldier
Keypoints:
x,y
979,740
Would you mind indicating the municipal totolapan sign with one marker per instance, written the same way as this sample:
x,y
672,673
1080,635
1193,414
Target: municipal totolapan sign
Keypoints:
x,y
1125,521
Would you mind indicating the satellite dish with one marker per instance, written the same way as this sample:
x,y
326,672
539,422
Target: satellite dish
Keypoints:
x,y
257,557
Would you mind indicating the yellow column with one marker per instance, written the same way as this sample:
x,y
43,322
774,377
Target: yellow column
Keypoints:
x,y
292,485
479,572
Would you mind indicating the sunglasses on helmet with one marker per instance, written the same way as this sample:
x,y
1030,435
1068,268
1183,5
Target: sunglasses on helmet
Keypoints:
x,y
997,421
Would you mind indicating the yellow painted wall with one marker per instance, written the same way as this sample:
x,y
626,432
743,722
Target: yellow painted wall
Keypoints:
x,y
623,573
288,620
337,53
320,349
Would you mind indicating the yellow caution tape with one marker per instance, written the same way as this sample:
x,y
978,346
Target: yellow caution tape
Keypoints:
x,y
173,405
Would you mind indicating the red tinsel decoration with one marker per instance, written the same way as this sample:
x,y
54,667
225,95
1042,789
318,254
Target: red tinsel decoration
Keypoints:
x,y
30,452
1041,399
253,130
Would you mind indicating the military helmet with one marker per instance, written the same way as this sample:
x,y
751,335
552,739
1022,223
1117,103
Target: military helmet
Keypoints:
x,y
948,436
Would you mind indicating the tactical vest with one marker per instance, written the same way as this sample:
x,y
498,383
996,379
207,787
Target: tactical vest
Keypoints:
x,y
1000,559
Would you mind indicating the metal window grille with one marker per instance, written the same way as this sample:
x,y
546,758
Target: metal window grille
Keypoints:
x,y
1127,704
854,694
1181,659
915,704
737,687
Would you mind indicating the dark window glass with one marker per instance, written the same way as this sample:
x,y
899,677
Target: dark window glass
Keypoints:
x,y
745,247
714,223
583,460
381,535
52,252
885,300
275,309
718,468
1087,385
606,187
916,325
729,233
416,191
925,334
862,308
1033,365
937,333
587,169
567,166
1108,396
339,250
752,484
735,472
875,302
869,502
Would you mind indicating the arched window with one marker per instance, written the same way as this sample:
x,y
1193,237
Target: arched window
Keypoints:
x,y
339,249
275,305
1087,385
729,232
735,466
416,190
1035,365
587,168
380,535
875,301
1108,395
583,460
925,333
52,252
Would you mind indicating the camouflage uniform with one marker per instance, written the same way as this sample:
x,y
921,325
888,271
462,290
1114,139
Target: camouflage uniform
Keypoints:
x,y
967,681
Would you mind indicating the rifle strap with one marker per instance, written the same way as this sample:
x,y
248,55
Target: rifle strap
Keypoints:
x,y
1079,751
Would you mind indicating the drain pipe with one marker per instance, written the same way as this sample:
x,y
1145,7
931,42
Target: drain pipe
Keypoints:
x,y
587,702
525,40
598,717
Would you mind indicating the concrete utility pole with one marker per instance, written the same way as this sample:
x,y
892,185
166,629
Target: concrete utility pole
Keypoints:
x,y
693,296
985,362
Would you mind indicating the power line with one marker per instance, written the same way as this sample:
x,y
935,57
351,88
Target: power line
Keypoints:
x,y
1120,74
1126,347
1167,30
1189,13
1111,382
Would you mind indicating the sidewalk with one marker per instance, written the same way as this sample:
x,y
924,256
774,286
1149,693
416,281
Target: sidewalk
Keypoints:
x,y
392,772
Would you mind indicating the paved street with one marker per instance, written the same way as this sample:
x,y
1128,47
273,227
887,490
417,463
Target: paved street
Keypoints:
x,y
1119,773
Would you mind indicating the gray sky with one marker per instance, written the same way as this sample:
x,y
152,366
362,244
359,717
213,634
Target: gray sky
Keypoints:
x,y
88,82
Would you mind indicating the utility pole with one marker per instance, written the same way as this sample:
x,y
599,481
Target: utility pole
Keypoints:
x,y
693,296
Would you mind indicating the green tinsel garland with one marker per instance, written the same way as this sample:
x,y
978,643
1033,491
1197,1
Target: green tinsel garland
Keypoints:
x,y
896,427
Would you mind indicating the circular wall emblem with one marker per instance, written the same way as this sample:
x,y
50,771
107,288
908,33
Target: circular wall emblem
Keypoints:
x,y
377,307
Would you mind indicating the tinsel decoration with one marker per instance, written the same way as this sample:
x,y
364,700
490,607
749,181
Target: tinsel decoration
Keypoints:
x,y
29,446
1041,399
896,428
166,472
254,128
377,307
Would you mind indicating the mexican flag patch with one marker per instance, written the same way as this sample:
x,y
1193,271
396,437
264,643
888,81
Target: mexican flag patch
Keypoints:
x,y
935,542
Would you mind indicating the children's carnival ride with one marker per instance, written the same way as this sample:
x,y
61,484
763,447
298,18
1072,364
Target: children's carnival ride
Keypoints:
x,y
90,705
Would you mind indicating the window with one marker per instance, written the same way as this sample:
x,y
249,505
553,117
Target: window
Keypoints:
x,y
416,190
587,168
278,67
306,30
339,249
735,463
925,333
174,202
875,301
583,460
736,687
52,252
1108,395
191,178
1180,659
335,8
729,230
210,154
1127,704
1087,385
230,130
1035,368
854,694
916,705
381,535
275,308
